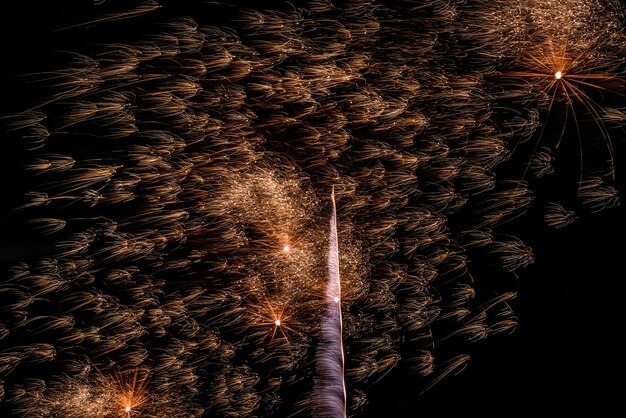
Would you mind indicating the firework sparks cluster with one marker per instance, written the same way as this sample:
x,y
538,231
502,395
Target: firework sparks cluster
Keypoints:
x,y
177,163
562,58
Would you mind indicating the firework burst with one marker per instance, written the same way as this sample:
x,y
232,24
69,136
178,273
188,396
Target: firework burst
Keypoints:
x,y
567,55
167,251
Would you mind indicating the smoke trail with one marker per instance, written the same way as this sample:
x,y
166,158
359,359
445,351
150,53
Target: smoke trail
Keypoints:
x,y
330,389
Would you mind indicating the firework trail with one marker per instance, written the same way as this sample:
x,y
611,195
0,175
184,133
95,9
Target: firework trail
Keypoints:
x,y
330,389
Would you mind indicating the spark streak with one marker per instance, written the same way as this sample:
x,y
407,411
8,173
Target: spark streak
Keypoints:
x,y
330,387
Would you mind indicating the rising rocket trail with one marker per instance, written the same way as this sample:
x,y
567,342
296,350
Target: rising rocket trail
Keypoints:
x,y
330,388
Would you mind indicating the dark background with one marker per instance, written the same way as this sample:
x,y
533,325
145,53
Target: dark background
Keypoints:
x,y
566,355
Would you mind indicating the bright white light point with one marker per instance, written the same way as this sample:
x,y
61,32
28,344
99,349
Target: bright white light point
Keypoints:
x,y
558,75
277,322
127,409
286,248
336,299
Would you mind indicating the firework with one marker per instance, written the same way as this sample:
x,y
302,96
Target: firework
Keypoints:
x,y
169,244
330,387
562,58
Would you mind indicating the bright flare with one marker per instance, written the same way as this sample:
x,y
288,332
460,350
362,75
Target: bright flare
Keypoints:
x,y
558,75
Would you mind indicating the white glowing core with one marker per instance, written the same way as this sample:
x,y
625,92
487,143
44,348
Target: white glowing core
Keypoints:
x,y
286,248
558,75
336,299
277,322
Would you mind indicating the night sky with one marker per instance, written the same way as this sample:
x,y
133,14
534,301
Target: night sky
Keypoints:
x,y
565,352
198,255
